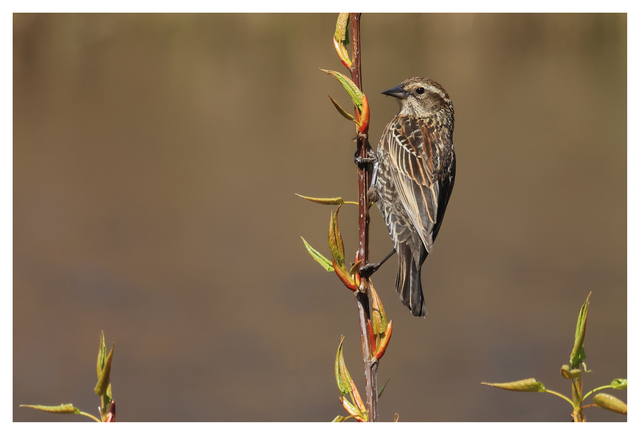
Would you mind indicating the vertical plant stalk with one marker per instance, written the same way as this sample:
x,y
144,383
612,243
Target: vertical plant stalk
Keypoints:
x,y
362,299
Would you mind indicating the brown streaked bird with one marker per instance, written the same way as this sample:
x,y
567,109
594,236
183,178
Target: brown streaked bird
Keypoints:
x,y
414,178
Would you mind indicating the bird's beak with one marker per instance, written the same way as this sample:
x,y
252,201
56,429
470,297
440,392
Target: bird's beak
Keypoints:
x,y
397,92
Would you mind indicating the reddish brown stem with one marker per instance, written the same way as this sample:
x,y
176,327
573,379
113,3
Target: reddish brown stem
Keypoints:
x,y
370,363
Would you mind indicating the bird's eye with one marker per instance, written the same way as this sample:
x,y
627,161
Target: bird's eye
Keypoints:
x,y
420,90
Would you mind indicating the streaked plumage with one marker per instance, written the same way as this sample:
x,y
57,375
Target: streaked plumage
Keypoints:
x,y
415,177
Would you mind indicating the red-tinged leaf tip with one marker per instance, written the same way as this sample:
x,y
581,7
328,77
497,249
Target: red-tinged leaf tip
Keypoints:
x,y
359,403
384,343
344,276
372,336
342,53
363,118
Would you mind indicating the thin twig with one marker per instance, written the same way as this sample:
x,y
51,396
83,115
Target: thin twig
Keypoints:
x,y
370,363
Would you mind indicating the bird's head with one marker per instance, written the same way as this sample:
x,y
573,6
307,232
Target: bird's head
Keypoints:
x,y
420,97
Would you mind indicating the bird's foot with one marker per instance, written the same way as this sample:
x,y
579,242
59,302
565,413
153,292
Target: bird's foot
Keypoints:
x,y
369,269
362,161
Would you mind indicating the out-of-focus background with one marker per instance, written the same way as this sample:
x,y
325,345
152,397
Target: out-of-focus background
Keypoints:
x,y
156,159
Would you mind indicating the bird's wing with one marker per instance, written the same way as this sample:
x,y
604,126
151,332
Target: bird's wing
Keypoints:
x,y
408,142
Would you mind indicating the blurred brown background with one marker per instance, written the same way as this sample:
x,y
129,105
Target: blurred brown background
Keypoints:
x,y
155,163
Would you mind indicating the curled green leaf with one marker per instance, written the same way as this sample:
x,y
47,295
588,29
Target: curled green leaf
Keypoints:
x,y
104,368
337,251
378,315
321,259
619,384
525,385
610,403
343,378
341,38
339,419
335,240
355,268
578,354
102,354
342,34
568,373
347,386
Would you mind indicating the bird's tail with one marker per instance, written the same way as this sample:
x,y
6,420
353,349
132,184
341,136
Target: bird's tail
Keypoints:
x,y
408,282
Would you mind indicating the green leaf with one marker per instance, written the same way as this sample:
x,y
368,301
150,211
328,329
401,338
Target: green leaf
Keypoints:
x,y
578,354
102,354
339,419
104,368
342,28
327,201
378,316
343,378
335,240
381,390
343,112
321,259
341,37
354,92
108,394
568,373
619,384
610,403
60,409
525,385
355,268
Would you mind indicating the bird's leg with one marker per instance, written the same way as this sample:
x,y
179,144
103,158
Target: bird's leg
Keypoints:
x,y
369,269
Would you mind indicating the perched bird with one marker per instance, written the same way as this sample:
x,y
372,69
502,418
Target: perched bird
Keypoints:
x,y
414,178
